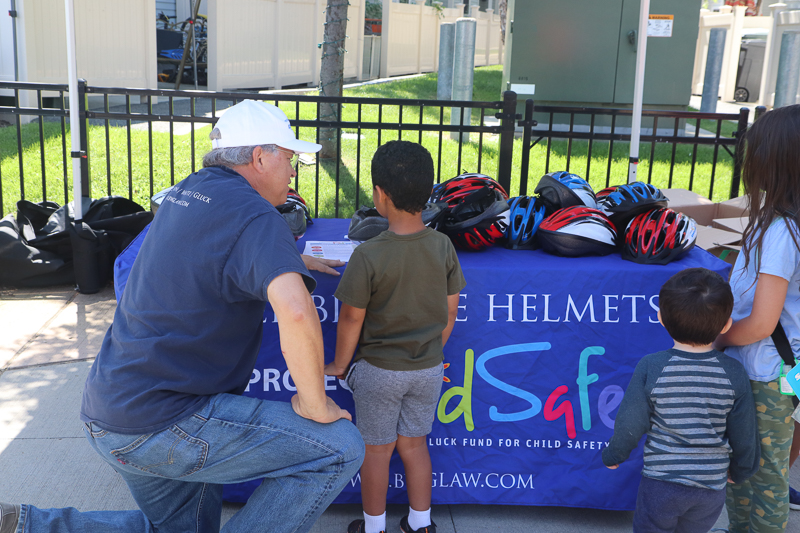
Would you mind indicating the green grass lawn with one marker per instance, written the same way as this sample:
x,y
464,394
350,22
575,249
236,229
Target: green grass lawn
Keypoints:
x,y
354,186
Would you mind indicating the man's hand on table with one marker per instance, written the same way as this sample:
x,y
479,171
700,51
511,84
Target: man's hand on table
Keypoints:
x,y
332,412
322,265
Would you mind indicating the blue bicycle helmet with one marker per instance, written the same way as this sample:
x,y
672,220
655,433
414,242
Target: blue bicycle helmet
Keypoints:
x,y
562,189
525,215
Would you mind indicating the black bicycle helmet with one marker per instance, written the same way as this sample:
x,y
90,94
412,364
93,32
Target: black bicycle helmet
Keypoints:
x,y
366,224
296,213
658,237
622,203
576,231
524,217
562,189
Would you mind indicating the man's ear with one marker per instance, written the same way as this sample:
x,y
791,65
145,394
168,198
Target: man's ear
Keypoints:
x,y
258,155
727,326
659,317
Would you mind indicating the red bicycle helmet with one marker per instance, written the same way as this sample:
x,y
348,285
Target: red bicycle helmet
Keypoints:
x,y
576,231
623,202
474,210
456,189
296,213
659,237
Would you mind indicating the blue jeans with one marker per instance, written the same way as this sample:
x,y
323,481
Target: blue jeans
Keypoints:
x,y
176,475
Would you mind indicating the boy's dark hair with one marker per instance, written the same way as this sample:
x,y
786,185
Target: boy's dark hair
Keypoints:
x,y
695,305
404,170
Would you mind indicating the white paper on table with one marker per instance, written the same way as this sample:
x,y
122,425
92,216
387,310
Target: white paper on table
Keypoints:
x,y
341,250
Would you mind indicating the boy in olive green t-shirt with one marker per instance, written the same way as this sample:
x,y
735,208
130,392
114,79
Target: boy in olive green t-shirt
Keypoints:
x,y
399,295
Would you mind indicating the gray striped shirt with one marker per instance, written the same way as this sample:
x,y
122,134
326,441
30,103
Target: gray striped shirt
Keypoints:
x,y
698,413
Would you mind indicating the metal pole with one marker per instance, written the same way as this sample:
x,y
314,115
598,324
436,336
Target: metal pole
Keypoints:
x,y
13,15
463,72
638,90
444,80
194,42
716,51
74,119
788,69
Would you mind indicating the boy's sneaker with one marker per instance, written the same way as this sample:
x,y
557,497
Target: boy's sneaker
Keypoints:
x,y
405,528
9,517
356,526
794,499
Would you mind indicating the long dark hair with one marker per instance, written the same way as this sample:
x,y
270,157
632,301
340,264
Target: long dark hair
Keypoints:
x,y
771,176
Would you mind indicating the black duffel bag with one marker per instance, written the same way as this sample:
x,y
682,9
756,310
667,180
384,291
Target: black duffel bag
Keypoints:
x,y
36,248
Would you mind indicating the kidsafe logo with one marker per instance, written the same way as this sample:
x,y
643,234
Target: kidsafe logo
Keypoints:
x,y
554,408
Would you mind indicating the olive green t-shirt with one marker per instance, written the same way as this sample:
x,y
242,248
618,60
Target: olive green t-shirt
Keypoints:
x,y
403,282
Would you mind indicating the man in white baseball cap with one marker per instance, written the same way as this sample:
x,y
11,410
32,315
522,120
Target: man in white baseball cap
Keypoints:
x,y
162,403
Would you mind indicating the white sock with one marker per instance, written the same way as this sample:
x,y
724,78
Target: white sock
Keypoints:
x,y
418,519
374,524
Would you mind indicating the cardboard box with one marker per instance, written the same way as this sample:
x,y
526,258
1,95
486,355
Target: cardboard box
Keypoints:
x,y
721,243
703,210
719,224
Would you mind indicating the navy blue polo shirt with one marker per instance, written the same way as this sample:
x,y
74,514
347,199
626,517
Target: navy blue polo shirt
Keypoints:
x,y
189,324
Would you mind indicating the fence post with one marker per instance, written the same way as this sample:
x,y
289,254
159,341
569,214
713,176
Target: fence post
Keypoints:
x,y
527,123
760,110
508,119
744,114
84,139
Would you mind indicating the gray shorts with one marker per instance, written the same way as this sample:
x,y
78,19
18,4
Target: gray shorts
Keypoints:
x,y
394,402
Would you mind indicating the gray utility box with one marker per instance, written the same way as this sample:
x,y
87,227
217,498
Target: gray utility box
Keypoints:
x,y
583,53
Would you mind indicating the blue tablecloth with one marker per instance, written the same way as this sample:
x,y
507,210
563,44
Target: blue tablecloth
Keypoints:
x,y
536,367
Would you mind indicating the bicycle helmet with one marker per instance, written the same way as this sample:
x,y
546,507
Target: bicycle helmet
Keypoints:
x,y
562,189
366,224
454,190
623,202
525,215
296,213
576,231
659,237
474,210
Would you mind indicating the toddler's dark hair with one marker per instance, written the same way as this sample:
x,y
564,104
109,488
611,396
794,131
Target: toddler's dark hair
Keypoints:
x,y
404,170
695,305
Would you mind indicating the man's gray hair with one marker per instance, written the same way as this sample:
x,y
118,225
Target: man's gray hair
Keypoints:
x,y
233,156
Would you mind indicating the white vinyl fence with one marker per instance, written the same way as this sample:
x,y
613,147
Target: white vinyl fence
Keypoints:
x,y
737,24
273,43
251,43
115,42
410,37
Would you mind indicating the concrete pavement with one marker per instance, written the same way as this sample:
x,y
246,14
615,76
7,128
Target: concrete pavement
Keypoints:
x,y
48,339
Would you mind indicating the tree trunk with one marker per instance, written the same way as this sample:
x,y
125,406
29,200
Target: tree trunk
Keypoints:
x,y
331,73
502,7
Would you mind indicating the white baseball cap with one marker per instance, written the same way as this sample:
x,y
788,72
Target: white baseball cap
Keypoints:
x,y
252,123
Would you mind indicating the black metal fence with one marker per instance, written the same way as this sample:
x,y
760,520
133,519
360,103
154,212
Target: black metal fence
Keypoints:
x,y
139,141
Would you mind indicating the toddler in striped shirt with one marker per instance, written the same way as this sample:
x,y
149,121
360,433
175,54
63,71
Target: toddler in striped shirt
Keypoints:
x,y
696,407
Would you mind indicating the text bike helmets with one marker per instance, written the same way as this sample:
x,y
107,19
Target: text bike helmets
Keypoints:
x,y
475,210
576,231
658,237
562,189
296,213
524,217
623,202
